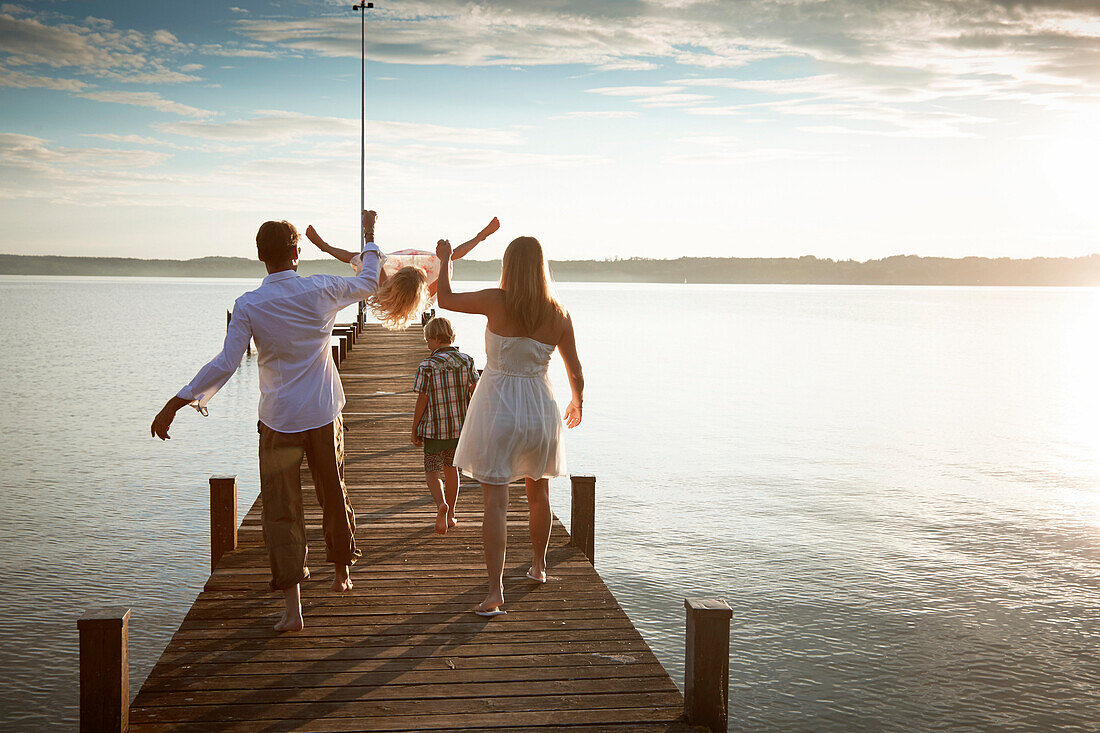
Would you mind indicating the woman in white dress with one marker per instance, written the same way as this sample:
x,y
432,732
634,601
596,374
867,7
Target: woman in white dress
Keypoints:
x,y
513,428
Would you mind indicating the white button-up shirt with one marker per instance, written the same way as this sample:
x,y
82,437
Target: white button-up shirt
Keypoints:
x,y
290,317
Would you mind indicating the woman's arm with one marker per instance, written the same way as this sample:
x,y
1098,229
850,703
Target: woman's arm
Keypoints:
x,y
466,247
341,254
484,302
567,347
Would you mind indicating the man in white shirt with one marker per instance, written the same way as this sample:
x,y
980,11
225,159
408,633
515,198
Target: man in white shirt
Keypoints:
x,y
290,318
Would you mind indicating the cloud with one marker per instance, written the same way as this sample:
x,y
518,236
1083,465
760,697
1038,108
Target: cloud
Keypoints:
x,y
1043,53
147,99
238,10
277,126
94,47
725,149
610,114
22,80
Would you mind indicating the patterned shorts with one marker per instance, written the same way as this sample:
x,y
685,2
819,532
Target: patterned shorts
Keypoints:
x,y
436,461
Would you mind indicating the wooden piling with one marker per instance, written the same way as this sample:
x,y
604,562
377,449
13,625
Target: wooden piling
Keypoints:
x,y
104,670
582,522
223,517
336,355
706,673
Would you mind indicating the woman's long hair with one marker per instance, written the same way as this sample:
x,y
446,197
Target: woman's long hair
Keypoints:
x,y
525,280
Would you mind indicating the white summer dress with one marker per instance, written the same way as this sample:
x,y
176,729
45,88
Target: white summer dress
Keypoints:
x,y
513,428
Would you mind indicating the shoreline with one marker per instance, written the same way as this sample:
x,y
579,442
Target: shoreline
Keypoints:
x,y
899,270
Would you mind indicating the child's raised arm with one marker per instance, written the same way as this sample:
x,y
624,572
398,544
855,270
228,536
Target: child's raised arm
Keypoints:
x,y
341,254
466,247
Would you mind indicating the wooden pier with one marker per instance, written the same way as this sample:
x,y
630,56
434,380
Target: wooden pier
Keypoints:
x,y
402,651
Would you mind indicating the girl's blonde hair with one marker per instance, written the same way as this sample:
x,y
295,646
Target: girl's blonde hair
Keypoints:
x,y
525,280
401,299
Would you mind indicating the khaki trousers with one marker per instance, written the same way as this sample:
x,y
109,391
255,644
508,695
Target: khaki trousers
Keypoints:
x,y
281,491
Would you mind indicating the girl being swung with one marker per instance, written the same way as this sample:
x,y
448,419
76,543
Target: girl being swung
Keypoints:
x,y
407,282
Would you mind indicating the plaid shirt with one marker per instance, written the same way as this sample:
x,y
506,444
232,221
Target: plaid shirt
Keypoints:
x,y
446,377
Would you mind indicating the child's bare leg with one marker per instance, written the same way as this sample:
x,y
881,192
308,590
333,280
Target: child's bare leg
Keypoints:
x,y
435,485
494,535
292,620
342,582
538,504
450,492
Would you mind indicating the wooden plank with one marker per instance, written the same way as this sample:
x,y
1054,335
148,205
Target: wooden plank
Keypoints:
x,y
401,651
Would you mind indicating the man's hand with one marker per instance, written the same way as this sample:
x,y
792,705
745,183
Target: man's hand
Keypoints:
x,y
313,236
161,423
163,420
443,250
416,439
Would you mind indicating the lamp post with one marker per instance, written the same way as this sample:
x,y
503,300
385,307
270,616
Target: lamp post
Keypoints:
x,y
362,8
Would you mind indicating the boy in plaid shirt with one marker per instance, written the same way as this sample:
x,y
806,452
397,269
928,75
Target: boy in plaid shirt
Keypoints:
x,y
445,381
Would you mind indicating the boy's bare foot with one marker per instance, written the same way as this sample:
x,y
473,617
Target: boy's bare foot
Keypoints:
x,y
441,523
290,622
342,582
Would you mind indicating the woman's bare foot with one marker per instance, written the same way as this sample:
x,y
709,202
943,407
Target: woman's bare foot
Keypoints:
x,y
492,601
342,582
441,519
451,521
290,622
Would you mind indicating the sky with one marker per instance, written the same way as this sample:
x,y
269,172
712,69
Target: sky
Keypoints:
x,y
849,129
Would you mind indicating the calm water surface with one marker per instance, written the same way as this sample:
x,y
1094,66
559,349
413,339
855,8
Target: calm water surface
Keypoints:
x,y
896,489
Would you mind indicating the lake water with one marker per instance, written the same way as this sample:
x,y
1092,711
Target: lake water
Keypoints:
x,y
896,489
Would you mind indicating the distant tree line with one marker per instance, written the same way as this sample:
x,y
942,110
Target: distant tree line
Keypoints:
x,y
897,270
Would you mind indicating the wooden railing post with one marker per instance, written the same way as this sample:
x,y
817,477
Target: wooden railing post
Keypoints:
x,y
361,316
104,670
707,669
336,354
223,517
582,522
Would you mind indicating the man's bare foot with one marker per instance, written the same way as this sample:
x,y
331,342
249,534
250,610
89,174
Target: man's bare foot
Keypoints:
x,y
342,582
290,622
441,519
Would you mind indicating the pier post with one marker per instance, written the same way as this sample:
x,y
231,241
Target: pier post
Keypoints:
x,y
223,517
361,317
104,670
582,522
707,668
336,355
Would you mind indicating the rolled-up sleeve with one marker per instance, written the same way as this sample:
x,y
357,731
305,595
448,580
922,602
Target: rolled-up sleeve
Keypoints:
x,y
217,372
367,265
